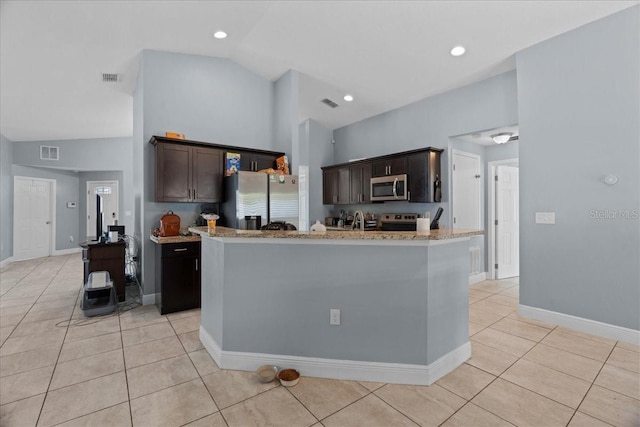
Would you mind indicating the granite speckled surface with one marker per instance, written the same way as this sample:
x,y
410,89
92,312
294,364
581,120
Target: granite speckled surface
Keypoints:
x,y
442,234
175,239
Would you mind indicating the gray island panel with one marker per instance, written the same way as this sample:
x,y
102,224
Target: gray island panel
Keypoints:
x,y
403,303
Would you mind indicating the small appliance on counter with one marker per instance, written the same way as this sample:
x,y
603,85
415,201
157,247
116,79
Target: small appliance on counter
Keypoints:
x,y
434,224
399,222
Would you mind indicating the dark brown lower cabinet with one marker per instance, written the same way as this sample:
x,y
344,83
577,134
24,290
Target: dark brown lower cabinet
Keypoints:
x,y
177,276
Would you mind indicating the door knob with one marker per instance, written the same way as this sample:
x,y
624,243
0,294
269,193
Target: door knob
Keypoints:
x,y
48,222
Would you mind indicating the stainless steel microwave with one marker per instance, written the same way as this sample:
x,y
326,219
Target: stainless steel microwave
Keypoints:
x,y
386,188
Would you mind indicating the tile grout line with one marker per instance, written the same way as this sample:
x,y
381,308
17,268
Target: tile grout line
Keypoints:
x,y
126,374
61,345
301,403
199,376
498,376
31,305
590,387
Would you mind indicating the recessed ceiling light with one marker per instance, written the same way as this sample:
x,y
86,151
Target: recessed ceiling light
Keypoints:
x,y
348,98
458,51
220,35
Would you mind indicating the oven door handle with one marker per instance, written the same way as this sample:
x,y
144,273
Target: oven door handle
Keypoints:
x,y
395,194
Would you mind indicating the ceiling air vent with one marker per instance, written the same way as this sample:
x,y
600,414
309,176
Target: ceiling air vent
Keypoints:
x,y
110,77
329,102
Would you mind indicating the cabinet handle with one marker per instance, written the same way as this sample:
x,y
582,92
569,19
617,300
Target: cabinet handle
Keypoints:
x,y
180,250
194,194
196,265
409,196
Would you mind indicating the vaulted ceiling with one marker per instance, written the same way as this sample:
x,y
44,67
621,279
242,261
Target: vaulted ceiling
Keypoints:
x,y
385,53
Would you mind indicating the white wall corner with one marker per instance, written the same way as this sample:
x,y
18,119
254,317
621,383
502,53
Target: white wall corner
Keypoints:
x,y
149,299
478,277
6,262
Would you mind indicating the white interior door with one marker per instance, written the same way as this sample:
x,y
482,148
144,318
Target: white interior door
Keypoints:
x,y
109,192
32,222
507,227
466,201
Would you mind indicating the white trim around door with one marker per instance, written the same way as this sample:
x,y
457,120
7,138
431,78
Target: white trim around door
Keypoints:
x,y
23,231
491,211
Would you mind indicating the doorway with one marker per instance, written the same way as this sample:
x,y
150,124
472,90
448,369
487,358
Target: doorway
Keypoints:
x,y
504,222
109,192
33,217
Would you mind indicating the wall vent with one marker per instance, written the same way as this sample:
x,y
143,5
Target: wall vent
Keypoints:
x,y
329,102
110,77
48,152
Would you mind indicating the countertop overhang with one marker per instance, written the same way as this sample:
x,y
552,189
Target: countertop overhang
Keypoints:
x,y
175,239
441,234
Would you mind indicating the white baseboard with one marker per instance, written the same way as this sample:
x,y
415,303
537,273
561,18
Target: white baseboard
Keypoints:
x,y
581,324
6,262
66,251
396,373
148,299
478,277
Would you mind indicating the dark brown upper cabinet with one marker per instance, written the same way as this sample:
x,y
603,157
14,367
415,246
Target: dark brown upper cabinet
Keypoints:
x,y
253,161
360,183
425,184
389,166
351,181
193,171
335,186
188,173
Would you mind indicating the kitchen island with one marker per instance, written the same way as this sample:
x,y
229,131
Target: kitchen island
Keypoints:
x,y
402,296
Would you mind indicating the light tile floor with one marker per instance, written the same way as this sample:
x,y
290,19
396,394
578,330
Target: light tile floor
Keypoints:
x,y
143,369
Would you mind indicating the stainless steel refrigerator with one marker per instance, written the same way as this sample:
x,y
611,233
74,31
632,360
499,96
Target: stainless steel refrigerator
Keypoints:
x,y
254,194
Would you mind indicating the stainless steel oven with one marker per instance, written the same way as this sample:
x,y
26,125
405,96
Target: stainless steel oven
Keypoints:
x,y
386,188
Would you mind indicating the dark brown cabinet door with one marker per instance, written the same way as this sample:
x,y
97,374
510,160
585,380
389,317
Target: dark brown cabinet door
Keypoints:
x,y
263,161
207,175
173,173
390,166
424,173
330,186
179,281
188,174
253,162
360,180
336,186
343,186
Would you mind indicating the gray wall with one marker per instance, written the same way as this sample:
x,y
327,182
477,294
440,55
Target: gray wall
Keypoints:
x,y
6,199
320,154
579,104
432,121
67,190
87,155
285,139
208,99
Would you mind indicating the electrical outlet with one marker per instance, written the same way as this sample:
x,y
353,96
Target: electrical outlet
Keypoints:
x,y
71,238
334,316
545,217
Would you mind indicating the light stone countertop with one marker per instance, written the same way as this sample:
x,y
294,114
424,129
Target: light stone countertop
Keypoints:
x,y
442,234
175,239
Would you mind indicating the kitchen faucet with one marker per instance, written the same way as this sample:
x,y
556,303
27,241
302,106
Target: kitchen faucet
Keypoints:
x,y
355,219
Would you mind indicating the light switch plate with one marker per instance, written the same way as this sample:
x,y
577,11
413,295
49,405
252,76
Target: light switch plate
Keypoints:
x,y
545,217
334,316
